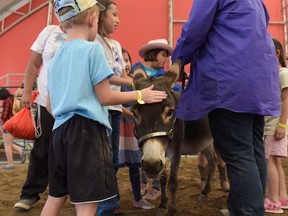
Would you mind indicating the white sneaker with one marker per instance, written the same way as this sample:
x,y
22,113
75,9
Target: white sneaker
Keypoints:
x,y
153,194
143,204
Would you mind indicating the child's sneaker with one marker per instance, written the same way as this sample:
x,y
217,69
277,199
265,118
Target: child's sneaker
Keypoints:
x,y
143,204
25,203
8,167
284,204
153,194
143,188
272,207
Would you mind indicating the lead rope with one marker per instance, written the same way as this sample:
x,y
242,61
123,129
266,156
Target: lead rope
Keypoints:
x,y
38,129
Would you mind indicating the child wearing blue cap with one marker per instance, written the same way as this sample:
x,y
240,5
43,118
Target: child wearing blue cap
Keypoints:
x,y
80,162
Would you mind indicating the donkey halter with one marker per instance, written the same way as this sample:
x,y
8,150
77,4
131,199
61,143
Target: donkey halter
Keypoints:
x,y
157,134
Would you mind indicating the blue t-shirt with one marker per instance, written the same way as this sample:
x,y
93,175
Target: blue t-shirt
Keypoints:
x,y
76,68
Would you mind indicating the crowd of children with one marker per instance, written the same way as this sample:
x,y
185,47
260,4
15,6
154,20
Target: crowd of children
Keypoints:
x,y
94,69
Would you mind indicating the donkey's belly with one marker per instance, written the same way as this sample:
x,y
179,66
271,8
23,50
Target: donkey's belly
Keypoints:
x,y
197,136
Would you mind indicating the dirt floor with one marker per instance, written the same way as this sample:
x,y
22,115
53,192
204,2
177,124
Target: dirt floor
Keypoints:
x,y
187,203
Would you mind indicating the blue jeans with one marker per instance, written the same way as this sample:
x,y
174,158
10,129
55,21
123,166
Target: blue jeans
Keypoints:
x,y
134,174
239,139
106,206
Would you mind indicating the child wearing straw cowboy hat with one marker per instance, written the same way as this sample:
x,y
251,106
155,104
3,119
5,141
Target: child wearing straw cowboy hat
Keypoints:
x,y
155,54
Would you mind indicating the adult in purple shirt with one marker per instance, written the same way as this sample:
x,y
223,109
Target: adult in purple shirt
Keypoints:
x,y
234,79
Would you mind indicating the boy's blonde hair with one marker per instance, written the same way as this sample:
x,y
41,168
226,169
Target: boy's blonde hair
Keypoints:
x,y
80,18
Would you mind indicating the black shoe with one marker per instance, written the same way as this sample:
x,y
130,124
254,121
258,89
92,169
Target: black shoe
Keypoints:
x,y
26,203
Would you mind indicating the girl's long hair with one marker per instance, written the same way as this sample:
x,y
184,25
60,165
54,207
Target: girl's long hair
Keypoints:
x,y
278,46
125,51
106,4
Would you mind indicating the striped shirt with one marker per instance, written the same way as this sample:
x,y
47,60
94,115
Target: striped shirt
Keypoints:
x,y
7,109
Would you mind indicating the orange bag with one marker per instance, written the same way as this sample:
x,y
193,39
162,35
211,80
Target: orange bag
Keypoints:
x,y
21,125
34,96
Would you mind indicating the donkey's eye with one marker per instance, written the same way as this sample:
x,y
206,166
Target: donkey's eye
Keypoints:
x,y
170,112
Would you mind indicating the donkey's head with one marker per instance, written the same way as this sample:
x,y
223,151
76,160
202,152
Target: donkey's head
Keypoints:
x,y
154,122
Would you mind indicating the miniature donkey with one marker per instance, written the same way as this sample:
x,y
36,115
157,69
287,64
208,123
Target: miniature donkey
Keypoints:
x,y
160,134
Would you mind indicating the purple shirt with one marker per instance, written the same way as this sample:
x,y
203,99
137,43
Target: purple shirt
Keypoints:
x,y
233,60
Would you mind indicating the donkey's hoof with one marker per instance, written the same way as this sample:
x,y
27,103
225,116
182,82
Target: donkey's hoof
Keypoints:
x,y
172,211
161,212
202,197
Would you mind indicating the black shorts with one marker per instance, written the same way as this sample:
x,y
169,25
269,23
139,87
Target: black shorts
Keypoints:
x,y
80,162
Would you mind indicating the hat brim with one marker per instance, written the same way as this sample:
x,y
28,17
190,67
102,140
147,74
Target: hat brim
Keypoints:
x,y
101,7
152,46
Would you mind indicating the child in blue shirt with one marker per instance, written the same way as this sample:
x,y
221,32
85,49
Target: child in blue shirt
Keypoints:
x,y
80,162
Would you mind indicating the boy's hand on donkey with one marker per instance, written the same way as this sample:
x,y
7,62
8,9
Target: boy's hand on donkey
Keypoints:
x,y
153,96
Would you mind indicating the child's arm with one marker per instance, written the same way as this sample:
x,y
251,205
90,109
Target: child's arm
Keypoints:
x,y
31,72
108,97
120,81
126,112
280,130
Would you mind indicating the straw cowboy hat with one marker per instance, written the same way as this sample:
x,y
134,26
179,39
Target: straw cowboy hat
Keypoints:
x,y
155,44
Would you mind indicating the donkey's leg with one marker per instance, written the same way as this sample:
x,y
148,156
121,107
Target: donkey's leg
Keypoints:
x,y
173,182
162,209
211,159
222,168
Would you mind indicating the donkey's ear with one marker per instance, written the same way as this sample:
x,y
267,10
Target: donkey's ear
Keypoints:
x,y
173,72
139,72
139,77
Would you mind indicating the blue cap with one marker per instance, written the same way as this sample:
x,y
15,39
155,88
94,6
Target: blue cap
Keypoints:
x,y
77,5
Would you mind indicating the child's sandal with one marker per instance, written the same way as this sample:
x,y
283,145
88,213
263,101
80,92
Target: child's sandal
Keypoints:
x,y
273,208
284,204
